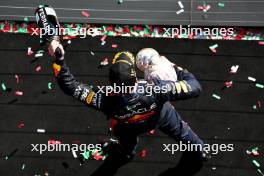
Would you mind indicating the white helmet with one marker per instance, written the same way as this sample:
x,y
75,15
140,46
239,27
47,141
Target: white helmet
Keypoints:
x,y
146,57
153,65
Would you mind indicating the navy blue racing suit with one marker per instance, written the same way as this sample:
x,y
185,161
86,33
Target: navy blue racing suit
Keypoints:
x,y
138,112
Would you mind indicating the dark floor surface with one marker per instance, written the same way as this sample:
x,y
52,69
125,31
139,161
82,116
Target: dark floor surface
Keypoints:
x,y
229,120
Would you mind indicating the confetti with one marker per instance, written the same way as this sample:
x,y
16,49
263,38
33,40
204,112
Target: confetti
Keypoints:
x,y
41,130
260,86
252,79
3,86
228,84
260,172
152,132
234,69
114,45
206,8
261,43
98,155
49,85
85,13
180,4
221,4
259,104
216,96
38,68
180,11
21,125
19,93
46,173
103,43
23,166
213,168
120,1
29,51
92,53
11,154
255,152
52,141
26,19
38,55
103,38
213,48
86,155
143,153
255,163
104,62
17,79
254,107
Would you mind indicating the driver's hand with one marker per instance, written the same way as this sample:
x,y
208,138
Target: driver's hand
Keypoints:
x,y
52,47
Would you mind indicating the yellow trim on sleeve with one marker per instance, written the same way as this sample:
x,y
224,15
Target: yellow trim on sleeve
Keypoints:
x,y
184,87
178,87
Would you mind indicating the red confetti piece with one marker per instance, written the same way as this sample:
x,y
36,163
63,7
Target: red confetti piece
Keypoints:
x,y
97,156
200,7
38,68
17,79
19,93
52,141
143,153
228,84
261,43
21,125
29,51
103,38
152,132
85,13
259,104
114,45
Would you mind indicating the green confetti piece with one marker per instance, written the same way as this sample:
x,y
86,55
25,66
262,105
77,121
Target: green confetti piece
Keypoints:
x,y
254,107
3,86
120,1
105,156
259,86
49,85
213,46
221,4
216,96
255,149
86,155
23,166
255,163
26,19
11,27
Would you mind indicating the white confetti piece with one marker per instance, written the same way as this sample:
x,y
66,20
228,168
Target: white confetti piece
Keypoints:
x,y
251,79
180,11
41,130
180,4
